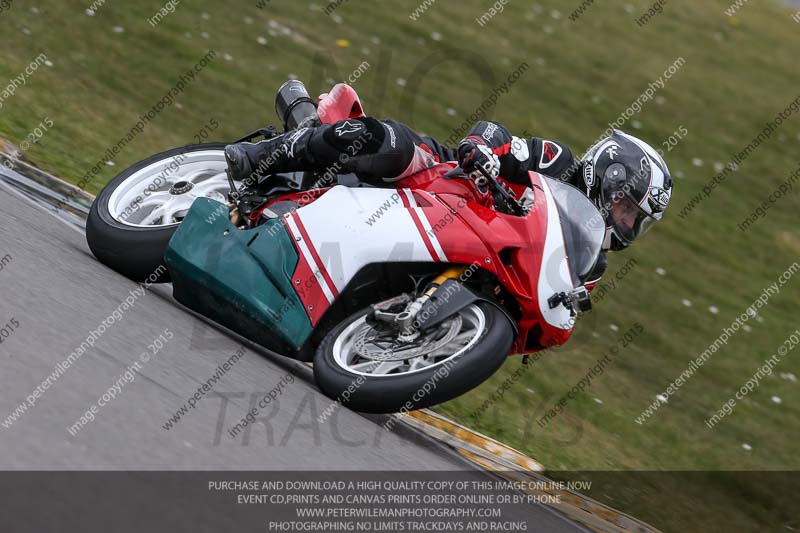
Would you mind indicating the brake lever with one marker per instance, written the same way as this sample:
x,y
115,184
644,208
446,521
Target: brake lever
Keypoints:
x,y
268,133
457,172
504,192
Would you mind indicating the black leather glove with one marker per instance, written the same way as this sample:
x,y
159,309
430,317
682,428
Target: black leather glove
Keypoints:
x,y
474,153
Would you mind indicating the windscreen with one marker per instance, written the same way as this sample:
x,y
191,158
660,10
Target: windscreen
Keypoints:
x,y
583,228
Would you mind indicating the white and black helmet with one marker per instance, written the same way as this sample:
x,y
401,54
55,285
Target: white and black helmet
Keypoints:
x,y
631,185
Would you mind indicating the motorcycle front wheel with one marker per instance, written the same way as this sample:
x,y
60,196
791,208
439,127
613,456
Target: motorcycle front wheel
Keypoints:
x,y
369,371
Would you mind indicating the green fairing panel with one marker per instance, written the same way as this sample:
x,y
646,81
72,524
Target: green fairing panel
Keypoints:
x,y
239,278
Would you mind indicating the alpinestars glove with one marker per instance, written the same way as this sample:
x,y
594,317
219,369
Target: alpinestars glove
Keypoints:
x,y
474,153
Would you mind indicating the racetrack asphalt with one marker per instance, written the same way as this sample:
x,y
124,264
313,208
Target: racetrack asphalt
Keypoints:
x,y
57,293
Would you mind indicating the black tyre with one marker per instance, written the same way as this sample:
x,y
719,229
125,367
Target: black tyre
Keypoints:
x,y
351,382
121,230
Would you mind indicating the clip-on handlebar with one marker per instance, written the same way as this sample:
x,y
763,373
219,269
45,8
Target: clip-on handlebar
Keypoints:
x,y
501,189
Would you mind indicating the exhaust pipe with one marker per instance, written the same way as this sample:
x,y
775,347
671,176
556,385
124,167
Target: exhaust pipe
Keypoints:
x,y
295,107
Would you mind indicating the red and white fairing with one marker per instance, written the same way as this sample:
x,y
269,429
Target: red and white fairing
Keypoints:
x,y
431,219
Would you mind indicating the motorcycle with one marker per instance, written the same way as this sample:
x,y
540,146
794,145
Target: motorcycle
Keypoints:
x,y
403,297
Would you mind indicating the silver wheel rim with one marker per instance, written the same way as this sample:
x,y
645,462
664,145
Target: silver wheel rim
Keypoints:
x,y
160,194
345,356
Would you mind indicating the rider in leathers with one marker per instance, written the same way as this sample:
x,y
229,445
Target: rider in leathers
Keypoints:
x,y
624,176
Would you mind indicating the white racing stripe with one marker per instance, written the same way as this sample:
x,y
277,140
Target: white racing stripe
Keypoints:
x,y
352,227
309,257
426,225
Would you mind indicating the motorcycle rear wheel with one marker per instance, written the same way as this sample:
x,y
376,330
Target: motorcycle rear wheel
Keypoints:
x,y
373,386
133,218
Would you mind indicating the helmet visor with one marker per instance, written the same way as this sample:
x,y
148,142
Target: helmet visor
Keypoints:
x,y
622,193
628,220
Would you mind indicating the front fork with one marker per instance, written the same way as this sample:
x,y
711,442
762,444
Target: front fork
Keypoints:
x,y
406,318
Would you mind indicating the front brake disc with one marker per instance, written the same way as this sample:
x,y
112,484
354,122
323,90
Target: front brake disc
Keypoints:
x,y
378,345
